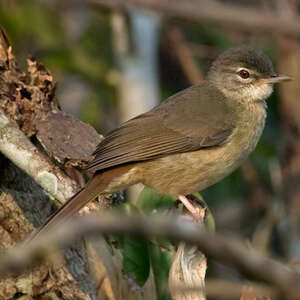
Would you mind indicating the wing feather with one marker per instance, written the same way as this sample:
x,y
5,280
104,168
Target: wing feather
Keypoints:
x,y
176,126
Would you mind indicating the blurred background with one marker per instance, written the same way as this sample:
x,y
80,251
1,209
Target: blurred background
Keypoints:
x,y
114,59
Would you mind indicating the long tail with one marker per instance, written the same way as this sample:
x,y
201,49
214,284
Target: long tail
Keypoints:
x,y
93,188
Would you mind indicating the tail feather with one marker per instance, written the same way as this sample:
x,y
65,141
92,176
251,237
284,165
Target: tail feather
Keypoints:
x,y
73,205
96,186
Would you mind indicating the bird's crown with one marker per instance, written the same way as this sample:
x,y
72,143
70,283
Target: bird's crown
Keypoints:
x,y
246,57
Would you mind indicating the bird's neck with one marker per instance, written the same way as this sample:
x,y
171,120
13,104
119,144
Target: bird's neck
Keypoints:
x,y
250,118
250,114
249,111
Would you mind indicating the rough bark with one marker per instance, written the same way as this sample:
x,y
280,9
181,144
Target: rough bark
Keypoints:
x,y
41,147
28,176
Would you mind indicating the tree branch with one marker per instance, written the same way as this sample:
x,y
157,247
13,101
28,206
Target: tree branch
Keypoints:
x,y
18,148
202,11
229,251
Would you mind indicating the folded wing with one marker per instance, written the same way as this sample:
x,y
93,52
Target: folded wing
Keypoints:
x,y
184,123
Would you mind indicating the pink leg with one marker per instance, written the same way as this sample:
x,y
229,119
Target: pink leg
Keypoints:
x,y
195,211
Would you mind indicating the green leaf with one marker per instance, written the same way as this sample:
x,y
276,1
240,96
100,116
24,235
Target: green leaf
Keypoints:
x,y
161,262
149,200
136,261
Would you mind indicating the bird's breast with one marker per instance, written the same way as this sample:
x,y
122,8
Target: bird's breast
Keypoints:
x,y
189,172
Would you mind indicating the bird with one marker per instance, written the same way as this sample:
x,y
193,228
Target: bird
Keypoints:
x,y
189,142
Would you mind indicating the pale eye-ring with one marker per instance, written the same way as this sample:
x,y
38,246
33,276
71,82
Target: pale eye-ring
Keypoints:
x,y
244,74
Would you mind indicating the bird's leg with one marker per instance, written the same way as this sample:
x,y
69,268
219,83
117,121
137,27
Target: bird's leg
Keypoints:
x,y
196,212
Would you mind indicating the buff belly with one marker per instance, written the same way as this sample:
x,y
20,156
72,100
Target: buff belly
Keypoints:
x,y
194,171
182,174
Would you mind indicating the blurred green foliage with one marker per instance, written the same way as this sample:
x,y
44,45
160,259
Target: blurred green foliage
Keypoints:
x,y
136,261
41,29
139,254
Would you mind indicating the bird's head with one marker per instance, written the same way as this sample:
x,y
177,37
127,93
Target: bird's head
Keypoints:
x,y
244,74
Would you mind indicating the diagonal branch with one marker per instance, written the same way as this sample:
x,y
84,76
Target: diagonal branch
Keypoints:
x,y
18,148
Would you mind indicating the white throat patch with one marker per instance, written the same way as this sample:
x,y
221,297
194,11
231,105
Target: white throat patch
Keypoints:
x,y
250,93
259,92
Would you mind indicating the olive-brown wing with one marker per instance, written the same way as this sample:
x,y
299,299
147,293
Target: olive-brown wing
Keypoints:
x,y
195,118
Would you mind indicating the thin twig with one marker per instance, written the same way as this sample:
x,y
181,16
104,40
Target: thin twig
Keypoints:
x,y
185,56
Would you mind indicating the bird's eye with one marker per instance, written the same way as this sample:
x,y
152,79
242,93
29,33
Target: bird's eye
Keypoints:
x,y
244,74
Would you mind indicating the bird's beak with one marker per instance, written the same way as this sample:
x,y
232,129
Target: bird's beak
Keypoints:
x,y
275,78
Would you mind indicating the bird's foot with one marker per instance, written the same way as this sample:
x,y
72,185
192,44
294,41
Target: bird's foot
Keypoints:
x,y
197,213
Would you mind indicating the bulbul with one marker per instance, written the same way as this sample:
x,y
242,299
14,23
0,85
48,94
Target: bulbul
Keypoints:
x,y
189,142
